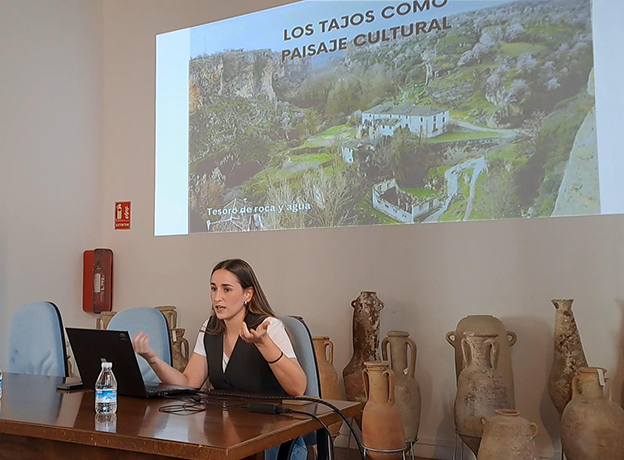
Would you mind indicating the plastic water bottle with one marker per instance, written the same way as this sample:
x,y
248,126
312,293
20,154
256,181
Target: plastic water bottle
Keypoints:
x,y
106,391
0,383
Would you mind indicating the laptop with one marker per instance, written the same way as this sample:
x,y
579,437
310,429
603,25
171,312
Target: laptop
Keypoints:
x,y
92,346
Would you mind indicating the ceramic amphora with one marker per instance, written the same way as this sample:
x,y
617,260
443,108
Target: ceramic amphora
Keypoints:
x,y
366,310
406,389
592,426
330,386
481,388
568,357
382,428
507,436
486,324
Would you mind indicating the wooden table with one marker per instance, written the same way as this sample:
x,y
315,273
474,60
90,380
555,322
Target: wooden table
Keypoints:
x,y
38,421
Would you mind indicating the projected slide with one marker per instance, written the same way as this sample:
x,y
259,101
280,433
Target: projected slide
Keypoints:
x,y
346,113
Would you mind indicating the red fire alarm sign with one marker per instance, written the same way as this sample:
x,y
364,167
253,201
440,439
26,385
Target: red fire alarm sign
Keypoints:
x,y
122,215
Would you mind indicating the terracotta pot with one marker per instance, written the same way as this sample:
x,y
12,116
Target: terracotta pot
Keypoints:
x,y
481,388
592,426
330,386
568,357
382,428
486,324
171,314
508,436
180,351
101,322
366,310
406,389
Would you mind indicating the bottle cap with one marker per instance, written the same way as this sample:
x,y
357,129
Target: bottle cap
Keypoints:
x,y
107,365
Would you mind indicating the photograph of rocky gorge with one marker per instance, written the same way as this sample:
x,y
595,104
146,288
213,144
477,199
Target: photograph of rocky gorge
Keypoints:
x,y
488,113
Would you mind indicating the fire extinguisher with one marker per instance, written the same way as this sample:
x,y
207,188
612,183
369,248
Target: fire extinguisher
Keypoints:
x,y
98,281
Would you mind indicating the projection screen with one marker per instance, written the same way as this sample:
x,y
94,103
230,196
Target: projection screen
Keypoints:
x,y
348,113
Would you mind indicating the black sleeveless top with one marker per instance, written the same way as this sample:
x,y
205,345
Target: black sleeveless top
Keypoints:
x,y
247,370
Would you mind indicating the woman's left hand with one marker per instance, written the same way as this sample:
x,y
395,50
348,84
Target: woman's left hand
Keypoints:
x,y
256,336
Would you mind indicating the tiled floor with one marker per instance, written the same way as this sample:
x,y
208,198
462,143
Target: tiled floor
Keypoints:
x,y
342,453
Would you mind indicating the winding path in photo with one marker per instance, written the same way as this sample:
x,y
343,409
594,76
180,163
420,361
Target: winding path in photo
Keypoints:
x,y
452,185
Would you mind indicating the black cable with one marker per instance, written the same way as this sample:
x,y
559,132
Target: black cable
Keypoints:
x,y
294,398
189,405
287,410
194,404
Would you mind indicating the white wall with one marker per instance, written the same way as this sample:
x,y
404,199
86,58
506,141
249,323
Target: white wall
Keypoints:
x,y
50,121
52,80
429,276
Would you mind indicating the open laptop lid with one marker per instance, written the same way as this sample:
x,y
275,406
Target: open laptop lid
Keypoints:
x,y
90,346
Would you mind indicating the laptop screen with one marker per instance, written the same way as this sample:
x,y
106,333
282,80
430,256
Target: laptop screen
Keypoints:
x,y
92,346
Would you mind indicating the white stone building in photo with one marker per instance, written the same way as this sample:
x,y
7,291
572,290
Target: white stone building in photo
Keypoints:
x,y
384,120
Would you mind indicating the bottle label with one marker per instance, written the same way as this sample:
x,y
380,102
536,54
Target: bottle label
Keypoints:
x,y
105,396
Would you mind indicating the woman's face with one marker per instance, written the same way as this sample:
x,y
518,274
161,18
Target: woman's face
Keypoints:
x,y
227,294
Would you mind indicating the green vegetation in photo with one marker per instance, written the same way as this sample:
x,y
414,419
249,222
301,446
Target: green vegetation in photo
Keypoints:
x,y
453,137
368,215
516,49
464,182
420,192
335,130
316,158
508,154
539,179
479,199
455,211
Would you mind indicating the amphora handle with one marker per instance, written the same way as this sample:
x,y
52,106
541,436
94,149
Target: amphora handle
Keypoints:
x,y
390,374
184,348
365,380
494,354
384,349
329,344
535,429
512,338
411,369
465,348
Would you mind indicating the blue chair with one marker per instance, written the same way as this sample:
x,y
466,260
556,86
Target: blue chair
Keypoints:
x,y
304,349
37,341
153,323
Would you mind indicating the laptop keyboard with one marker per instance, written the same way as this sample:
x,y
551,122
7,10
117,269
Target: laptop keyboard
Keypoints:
x,y
164,390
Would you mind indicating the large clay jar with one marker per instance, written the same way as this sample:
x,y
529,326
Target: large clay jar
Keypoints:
x,y
406,389
366,310
330,386
180,351
481,388
486,324
569,356
507,436
171,314
382,428
592,426
101,322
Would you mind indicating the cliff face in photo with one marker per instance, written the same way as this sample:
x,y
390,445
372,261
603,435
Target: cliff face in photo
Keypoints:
x,y
580,191
239,73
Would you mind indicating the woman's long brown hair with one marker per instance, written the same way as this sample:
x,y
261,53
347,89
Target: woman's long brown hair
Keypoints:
x,y
259,304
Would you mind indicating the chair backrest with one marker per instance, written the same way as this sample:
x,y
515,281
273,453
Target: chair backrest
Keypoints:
x,y
153,323
304,349
37,341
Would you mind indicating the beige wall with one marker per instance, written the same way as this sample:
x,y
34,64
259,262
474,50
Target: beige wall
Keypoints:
x,y
50,124
56,149
429,276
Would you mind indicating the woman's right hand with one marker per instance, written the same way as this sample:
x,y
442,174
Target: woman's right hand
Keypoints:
x,y
141,346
